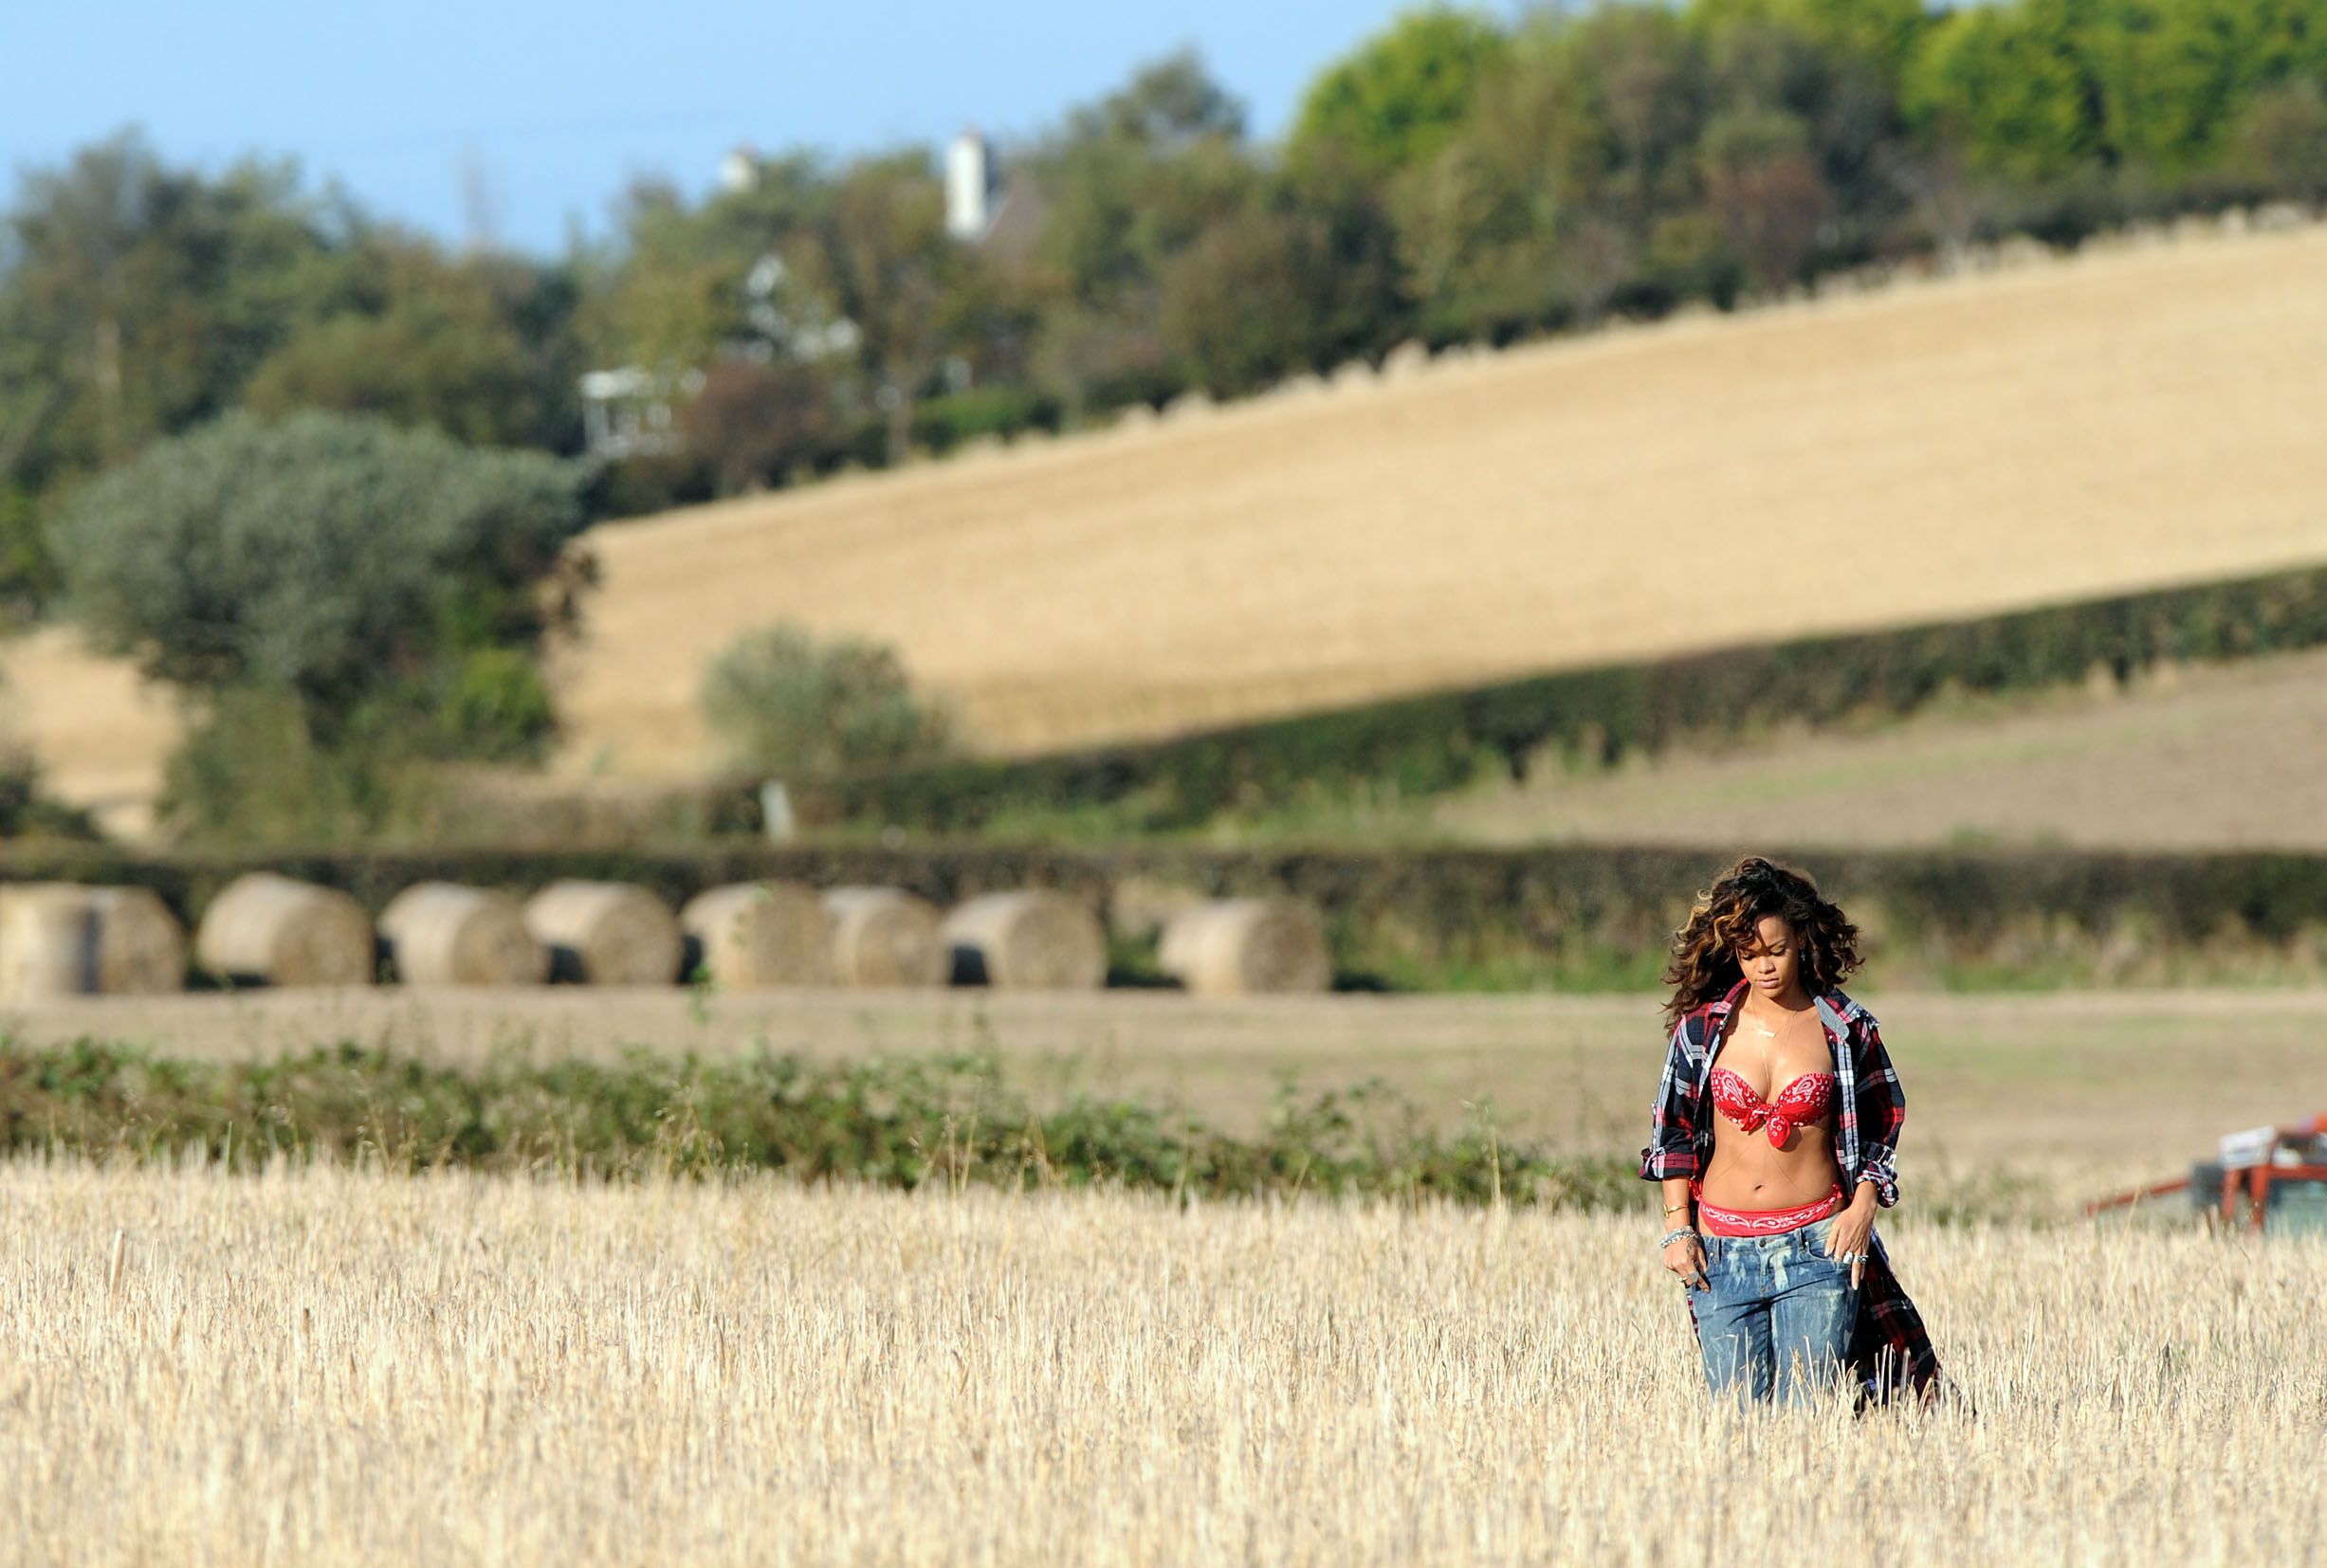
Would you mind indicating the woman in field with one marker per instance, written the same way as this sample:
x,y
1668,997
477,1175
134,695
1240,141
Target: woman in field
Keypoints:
x,y
1773,1137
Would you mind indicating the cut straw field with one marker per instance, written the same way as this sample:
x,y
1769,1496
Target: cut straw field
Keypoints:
x,y
323,1367
2135,416
2117,421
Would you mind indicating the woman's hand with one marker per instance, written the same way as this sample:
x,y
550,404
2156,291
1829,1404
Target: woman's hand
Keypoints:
x,y
1685,1256
1853,1237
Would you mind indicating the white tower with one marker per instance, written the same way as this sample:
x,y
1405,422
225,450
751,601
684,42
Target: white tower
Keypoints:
x,y
738,171
969,186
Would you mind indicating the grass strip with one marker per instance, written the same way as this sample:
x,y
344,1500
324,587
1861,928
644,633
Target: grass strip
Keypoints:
x,y
899,1122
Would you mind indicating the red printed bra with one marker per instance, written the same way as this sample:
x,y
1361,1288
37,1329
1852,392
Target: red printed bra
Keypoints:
x,y
1804,1100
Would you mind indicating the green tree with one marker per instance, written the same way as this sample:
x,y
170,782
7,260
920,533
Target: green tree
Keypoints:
x,y
1478,224
882,255
332,558
1128,183
751,423
480,348
672,290
2175,74
1762,185
782,701
1884,34
1243,306
2009,85
2281,142
1401,96
146,295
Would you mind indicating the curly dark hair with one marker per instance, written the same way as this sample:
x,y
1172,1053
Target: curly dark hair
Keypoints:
x,y
1705,967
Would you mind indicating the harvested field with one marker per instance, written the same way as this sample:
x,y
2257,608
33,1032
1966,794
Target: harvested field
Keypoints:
x,y
2120,421
2208,757
2132,418
2068,1089
324,1367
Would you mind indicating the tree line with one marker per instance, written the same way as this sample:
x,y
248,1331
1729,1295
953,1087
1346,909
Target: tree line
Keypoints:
x,y
1453,179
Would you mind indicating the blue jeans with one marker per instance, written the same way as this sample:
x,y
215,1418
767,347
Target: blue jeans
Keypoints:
x,y
1775,1314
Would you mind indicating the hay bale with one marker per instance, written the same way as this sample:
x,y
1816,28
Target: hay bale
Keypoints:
x,y
271,930
755,936
883,936
1247,947
1033,940
58,939
605,933
439,933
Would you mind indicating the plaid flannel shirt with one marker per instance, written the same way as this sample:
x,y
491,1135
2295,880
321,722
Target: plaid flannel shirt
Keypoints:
x,y
1889,1348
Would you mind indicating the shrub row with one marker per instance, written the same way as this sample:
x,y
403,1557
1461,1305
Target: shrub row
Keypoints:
x,y
900,1123
1425,744
1590,915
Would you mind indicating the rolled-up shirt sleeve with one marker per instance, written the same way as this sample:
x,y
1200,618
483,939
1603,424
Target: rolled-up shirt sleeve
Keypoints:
x,y
1881,1114
1673,1119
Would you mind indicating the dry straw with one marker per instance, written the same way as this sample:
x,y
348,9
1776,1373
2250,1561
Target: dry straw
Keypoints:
x,y
606,933
761,936
439,933
265,929
1031,940
324,1367
1236,947
58,939
883,936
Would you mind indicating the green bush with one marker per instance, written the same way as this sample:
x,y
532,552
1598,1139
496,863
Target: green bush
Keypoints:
x,y
252,771
492,706
898,1123
782,703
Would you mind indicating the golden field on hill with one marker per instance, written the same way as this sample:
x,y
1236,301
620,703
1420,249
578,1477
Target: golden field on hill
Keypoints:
x,y
2131,417
2121,420
325,1368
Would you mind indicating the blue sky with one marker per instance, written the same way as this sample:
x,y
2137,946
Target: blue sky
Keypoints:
x,y
551,108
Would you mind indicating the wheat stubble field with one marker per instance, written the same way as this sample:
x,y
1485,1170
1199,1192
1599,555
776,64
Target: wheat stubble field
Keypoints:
x,y
2120,419
327,1367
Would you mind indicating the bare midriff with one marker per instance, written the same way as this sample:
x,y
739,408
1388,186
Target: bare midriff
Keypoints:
x,y
1748,1171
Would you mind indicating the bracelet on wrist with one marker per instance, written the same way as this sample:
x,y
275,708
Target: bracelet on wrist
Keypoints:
x,y
1686,1232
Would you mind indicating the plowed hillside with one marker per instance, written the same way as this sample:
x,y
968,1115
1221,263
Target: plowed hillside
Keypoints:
x,y
2135,416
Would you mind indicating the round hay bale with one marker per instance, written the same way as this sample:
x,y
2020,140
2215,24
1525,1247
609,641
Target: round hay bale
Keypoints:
x,y
883,936
1247,947
605,933
58,939
756,936
439,933
1034,940
269,930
